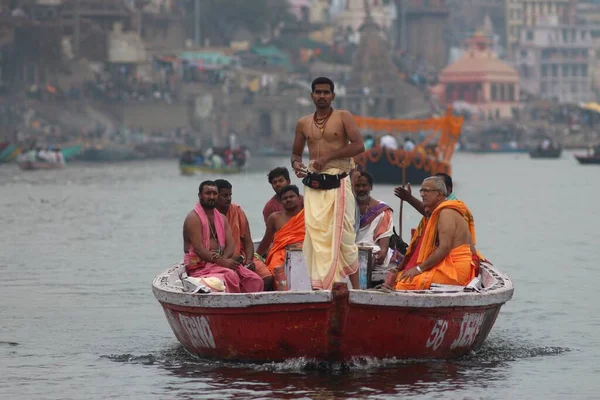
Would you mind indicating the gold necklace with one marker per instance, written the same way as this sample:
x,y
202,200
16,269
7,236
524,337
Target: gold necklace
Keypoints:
x,y
321,123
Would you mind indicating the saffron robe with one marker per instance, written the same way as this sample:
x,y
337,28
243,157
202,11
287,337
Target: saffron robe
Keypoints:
x,y
238,223
291,232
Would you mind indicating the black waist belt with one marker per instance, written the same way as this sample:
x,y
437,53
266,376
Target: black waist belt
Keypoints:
x,y
323,181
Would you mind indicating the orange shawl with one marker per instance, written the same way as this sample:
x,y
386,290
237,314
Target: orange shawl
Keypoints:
x,y
430,233
292,232
238,224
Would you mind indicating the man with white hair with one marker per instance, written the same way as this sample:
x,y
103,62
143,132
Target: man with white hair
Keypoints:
x,y
441,249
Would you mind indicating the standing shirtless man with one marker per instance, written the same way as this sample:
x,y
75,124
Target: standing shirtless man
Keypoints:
x,y
334,140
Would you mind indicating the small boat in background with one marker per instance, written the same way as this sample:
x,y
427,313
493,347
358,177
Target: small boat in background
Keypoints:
x,y
192,169
70,152
553,152
9,153
41,159
100,153
35,165
217,161
587,160
592,157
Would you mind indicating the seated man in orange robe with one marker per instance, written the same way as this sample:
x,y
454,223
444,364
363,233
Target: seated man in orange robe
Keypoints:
x,y
240,230
441,250
284,228
406,195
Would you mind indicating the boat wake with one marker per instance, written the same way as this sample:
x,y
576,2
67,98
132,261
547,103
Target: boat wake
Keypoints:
x,y
494,350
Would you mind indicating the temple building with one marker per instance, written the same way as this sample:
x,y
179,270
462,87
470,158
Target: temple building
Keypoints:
x,y
376,87
482,80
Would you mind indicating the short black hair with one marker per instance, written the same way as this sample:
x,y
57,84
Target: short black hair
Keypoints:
x,y
323,81
205,183
288,188
447,181
368,176
222,184
277,172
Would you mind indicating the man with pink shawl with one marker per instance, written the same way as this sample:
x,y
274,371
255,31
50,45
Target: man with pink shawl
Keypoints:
x,y
209,246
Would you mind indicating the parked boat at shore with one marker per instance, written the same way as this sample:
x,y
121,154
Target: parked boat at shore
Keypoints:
x,y
333,325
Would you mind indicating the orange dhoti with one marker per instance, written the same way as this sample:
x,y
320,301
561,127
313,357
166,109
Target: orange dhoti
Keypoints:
x,y
455,269
290,233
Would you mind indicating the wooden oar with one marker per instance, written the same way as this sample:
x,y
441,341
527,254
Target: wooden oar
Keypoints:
x,y
402,201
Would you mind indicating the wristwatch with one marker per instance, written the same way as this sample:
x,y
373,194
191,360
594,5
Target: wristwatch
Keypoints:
x,y
418,267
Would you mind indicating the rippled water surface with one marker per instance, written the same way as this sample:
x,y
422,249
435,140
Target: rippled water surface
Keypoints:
x,y
79,248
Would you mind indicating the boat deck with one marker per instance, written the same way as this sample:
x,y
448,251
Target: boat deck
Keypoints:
x,y
494,287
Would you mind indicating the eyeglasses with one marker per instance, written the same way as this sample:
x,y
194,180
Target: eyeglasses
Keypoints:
x,y
421,191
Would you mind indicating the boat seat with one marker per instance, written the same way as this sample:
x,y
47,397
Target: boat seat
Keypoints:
x,y
297,274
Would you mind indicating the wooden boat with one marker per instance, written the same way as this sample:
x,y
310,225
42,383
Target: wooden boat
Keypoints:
x,y
108,154
35,165
552,152
70,152
431,156
191,169
10,152
501,149
588,160
333,325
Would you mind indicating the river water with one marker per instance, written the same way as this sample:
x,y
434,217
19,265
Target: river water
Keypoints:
x,y
79,249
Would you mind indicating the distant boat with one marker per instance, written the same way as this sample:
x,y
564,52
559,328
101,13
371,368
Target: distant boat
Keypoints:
x,y
548,153
495,148
588,160
432,156
71,152
9,153
35,165
192,169
108,154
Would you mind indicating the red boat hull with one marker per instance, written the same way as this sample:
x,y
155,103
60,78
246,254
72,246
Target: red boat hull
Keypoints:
x,y
339,329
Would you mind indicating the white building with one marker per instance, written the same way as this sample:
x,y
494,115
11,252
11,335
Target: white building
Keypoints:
x,y
556,61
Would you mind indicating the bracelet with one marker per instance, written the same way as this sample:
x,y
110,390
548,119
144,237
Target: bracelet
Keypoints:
x,y
419,269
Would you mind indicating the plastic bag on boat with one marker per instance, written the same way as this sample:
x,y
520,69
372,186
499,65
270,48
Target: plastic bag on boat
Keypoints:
x,y
207,284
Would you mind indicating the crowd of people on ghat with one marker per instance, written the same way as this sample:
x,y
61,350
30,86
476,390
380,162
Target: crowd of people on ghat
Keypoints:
x,y
335,216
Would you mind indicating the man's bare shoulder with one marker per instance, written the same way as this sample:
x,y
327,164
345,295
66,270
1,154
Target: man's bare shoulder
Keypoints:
x,y
344,113
449,214
303,121
305,118
191,222
277,215
191,217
